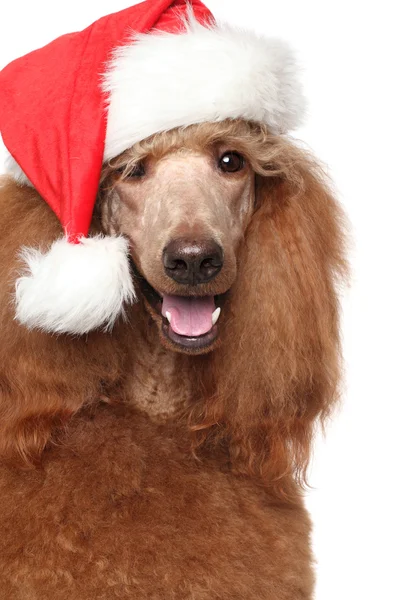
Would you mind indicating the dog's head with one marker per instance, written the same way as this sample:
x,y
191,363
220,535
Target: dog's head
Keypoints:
x,y
184,200
236,246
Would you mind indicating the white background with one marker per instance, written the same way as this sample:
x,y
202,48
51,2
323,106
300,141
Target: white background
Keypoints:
x,y
351,77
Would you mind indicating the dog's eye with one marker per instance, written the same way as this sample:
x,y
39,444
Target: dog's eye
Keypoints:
x,y
231,162
137,171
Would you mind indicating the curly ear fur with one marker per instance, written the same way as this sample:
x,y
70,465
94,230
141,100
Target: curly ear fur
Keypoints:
x,y
43,379
277,370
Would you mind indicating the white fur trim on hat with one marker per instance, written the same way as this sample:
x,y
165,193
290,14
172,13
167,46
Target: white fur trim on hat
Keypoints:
x,y
74,288
205,73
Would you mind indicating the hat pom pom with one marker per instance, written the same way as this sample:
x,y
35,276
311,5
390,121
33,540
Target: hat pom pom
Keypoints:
x,y
74,288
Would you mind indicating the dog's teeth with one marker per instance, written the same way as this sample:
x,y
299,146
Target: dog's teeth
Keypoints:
x,y
168,315
215,315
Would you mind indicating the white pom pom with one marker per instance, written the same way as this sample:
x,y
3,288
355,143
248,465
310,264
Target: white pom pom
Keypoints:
x,y
74,288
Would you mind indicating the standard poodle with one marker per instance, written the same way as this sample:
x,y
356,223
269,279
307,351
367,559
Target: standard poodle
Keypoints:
x,y
169,270
151,462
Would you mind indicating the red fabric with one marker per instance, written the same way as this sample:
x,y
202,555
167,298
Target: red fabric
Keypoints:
x,y
52,115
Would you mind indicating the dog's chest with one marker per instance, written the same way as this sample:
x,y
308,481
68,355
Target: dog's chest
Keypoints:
x,y
121,511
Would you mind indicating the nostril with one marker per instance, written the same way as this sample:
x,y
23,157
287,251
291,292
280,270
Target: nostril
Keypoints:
x,y
207,263
210,266
178,265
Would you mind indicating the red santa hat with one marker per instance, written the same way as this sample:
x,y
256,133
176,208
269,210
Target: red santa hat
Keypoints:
x,y
88,96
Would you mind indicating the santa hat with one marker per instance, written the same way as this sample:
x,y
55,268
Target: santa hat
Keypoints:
x,y
88,96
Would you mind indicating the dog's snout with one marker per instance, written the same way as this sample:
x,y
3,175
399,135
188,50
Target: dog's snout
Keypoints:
x,y
192,262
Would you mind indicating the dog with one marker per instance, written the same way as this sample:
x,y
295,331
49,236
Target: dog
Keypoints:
x,y
167,458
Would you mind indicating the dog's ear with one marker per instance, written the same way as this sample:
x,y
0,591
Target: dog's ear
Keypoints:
x,y
44,379
278,367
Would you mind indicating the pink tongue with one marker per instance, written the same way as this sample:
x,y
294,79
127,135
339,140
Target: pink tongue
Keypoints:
x,y
189,316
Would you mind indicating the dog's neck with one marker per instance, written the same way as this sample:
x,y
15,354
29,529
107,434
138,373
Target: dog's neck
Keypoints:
x,y
155,384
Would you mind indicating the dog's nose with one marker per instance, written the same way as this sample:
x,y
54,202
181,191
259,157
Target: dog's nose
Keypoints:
x,y
192,262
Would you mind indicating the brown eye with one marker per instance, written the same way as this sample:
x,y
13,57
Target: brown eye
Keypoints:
x,y
231,162
134,172
137,171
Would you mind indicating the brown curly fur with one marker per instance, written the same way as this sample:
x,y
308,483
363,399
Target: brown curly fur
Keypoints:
x,y
118,506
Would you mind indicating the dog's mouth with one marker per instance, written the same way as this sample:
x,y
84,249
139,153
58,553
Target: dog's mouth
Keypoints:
x,y
188,322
